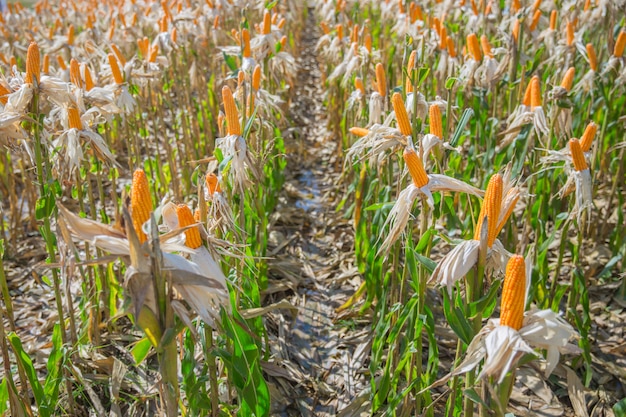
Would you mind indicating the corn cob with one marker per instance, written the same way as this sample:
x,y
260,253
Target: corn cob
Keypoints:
x,y
154,52
484,42
232,114
359,131
436,126
367,42
3,94
553,15
358,84
185,218
140,202
443,37
355,34
401,115
593,58
568,79
451,49
212,183
46,64
513,293
70,35
283,42
578,158
281,23
588,135
620,44
118,54
339,29
256,78
490,209
324,27
515,30
535,21
245,37
570,33
416,168
535,93
115,69
267,22
89,84
381,82
33,66
174,35
74,118
61,63
75,73
473,46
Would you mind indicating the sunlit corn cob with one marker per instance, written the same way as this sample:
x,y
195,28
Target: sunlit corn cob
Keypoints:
x,y
74,118
212,183
75,73
568,79
515,30
490,209
381,82
416,168
324,27
256,77
267,22
401,115
535,93
513,293
33,65
354,37
339,29
185,218
140,202
473,46
61,62
89,84
70,35
358,84
570,33
232,114
154,52
451,49
115,69
535,21
484,42
4,92
593,58
367,42
436,126
578,158
45,67
443,37
553,15
359,131
620,44
245,37
586,139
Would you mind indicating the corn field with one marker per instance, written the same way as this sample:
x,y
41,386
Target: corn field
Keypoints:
x,y
313,208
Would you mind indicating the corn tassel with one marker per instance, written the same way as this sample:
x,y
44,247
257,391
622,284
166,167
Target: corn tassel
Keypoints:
x,y
490,209
401,115
568,79
140,202
74,118
232,114
513,293
115,69
381,82
185,218
578,158
474,46
33,66
416,168
620,45
587,138
593,58
436,126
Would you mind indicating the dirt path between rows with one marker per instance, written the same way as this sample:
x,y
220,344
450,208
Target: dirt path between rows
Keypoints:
x,y
318,359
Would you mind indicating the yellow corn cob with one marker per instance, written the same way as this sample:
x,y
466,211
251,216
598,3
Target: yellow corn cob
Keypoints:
x,y
587,138
473,46
111,31
3,94
212,183
401,6
451,49
381,83
535,93
245,36
232,114
401,115
443,37
411,62
513,293
408,86
578,158
509,210
324,27
115,69
474,8
61,62
570,33
416,168
620,44
174,35
283,42
568,79
367,42
140,202
118,54
75,73
358,84
216,22
74,118
490,209
89,84
359,131
537,5
163,25
154,52
275,18
281,23
587,5
143,45
515,30
339,29
535,21
355,34
267,22
436,127
484,42
553,20
256,77
70,35
46,64
185,218
33,65
593,59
